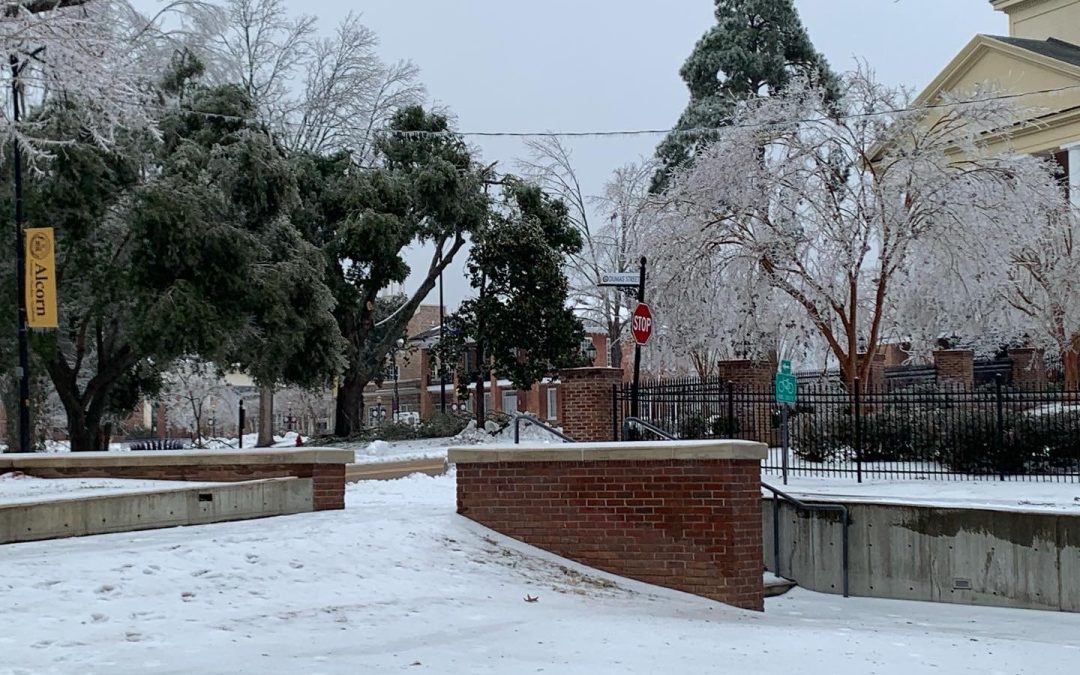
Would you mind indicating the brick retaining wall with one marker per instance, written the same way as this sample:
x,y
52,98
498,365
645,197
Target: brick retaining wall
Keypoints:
x,y
681,515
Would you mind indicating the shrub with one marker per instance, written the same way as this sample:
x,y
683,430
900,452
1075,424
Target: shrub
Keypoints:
x,y
695,426
441,425
725,427
396,431
821,437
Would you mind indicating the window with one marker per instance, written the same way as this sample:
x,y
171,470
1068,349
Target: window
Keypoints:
x,y
487,403
509,402
552,403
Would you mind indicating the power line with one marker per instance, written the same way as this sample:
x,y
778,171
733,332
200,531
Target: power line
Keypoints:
x,y
609,133
668,130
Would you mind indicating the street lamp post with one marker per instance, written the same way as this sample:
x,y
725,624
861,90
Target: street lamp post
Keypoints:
x,y
23,371
442,366
397,399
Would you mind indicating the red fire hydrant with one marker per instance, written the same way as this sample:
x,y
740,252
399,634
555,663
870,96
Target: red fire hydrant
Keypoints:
x,y
299,440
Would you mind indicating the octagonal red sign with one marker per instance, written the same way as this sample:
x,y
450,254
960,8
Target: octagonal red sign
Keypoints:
x,y
641,324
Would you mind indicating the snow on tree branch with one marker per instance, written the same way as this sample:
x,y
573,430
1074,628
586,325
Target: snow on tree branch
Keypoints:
x,y
834,212
320,94
90,56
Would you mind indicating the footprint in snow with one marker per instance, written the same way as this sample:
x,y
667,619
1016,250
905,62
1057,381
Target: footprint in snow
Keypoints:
x,y
252,558
131,636
98,617
106,588
46,584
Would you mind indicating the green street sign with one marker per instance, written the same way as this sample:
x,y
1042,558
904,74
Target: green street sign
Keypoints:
x,y
785,367
787,387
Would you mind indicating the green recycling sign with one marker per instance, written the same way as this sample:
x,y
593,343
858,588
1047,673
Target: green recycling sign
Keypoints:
x,y
787,386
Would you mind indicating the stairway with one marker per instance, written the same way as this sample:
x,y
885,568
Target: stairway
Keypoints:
x,y
775,586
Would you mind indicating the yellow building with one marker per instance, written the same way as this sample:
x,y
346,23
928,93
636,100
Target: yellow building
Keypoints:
x,y
1040,62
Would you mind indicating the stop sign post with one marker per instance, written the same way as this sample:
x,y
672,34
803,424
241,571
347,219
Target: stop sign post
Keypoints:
x,y
641,327
641,324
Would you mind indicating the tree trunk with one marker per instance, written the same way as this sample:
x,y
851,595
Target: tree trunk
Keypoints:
x,y
266,417
86,435
349,408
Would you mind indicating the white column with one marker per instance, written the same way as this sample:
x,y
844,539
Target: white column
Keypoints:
x,y
1074,172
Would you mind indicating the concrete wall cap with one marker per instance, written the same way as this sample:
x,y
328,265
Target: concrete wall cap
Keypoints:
x,y
77,460
612,451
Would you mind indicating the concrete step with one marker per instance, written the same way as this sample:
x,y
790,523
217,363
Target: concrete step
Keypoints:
x,y
775,586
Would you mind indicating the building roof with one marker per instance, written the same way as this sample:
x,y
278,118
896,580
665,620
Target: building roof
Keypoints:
x,y
1059,50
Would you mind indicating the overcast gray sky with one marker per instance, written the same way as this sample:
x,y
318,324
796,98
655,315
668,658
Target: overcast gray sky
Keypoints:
x,y
580,65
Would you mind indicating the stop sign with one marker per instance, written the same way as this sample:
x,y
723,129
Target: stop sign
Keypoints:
x,y
641,324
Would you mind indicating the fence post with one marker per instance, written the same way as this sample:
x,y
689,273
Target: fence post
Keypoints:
x,y
731,410
858,429
614,412
1000,435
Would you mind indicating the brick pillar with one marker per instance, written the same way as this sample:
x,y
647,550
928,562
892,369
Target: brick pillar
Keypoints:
x,y
755,419
328,487
585,405
1028,368
955,367
875,379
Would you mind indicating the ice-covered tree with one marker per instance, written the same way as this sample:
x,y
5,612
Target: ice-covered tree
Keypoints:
x,y
97,56
191,388
611,226
426,188
756,48
320,93
831,202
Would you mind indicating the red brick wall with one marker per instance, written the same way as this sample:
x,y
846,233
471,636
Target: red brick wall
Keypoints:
x,y
875,380
691,525
585,403
755,420
955,367
1028,368
329,479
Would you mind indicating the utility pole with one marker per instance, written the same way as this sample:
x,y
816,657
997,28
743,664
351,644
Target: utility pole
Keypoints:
x,y
22,373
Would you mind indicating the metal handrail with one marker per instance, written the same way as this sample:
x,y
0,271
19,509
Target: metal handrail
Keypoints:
x,y
806,506
647,426
529,419
777,496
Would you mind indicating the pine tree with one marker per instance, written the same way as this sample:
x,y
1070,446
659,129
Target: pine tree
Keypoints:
x,y
755,49
520,323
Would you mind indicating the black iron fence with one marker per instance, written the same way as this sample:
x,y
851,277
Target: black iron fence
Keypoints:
x,y
992,432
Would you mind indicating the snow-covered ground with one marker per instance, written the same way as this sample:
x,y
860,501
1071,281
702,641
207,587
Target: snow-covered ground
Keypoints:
x,y
986,494
399,582
16,488
435,448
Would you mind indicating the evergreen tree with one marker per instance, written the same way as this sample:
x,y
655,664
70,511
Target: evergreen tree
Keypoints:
x,y
519,323
172,246
425,189
755,49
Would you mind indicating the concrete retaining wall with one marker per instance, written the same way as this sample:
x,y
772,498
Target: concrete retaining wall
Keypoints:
x,y
326,467
966,556
154,509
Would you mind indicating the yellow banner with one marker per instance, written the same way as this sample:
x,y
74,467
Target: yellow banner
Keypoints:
x,y
41,278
